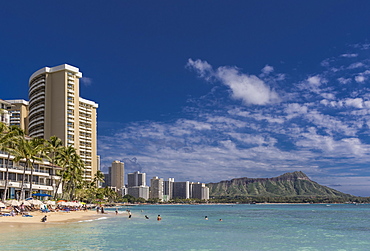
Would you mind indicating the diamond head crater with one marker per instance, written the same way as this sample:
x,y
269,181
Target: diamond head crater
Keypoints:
x,y
293,187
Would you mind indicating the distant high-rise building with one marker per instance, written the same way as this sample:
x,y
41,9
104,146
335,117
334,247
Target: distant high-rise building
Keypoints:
x,y
156,188
168,189
181,190
106,180
56,109
117,174
137,185
136,179
139,192
199,191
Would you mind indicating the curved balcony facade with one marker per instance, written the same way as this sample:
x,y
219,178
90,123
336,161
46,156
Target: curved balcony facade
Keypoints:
x,y
36,105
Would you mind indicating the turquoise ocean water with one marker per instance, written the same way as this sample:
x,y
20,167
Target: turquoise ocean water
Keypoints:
x,y
183,227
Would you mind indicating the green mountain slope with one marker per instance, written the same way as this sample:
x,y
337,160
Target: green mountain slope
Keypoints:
x,y
288,184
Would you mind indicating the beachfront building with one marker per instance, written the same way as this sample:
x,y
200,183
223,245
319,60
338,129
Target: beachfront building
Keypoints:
x,y
56,109
136,185
156,188
18,111
4,114
43,181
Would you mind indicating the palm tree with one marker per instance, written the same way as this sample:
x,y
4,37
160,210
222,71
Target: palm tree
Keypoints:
x,y
39,151
25,150
9,137
71,165
55,145
98,177
73,175
3,144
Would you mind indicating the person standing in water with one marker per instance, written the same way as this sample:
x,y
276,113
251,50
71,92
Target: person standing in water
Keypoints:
x,y
159,218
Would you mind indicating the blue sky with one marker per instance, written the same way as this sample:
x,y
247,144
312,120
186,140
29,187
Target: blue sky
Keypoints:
x,y
210,90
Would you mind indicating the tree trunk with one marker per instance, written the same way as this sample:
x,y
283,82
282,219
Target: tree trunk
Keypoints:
x,y
52,175
57,187
31,181
6,178
23,178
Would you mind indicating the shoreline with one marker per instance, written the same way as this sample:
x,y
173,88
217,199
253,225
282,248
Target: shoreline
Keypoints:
x,y
18,222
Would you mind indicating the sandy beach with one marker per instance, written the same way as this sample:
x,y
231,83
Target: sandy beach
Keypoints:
x,y
18,222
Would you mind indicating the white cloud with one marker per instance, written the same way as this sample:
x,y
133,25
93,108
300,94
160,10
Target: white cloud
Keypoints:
x,y
356,102
295,109
203,69
349,55
356,65
312,83
86,81
344,81
360,79
267,69
328,95
248,88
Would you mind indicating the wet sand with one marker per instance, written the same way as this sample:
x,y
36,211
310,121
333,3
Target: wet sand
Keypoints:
x,y
18,222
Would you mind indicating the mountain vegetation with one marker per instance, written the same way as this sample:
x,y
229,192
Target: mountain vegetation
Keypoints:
x,y
289,187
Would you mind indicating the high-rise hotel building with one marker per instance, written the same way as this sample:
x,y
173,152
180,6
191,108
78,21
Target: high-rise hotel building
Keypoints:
x,y
56,108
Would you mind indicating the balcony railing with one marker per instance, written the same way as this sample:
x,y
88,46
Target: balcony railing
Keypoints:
x,y
17,167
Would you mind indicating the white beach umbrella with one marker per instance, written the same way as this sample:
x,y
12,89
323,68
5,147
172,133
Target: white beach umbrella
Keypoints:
x,y
50,202
25,202
70,204
12,203
2,204
35,202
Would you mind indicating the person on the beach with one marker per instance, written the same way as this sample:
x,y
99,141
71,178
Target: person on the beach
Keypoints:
x,y
97,209
44,219
116,211
102,210
159,218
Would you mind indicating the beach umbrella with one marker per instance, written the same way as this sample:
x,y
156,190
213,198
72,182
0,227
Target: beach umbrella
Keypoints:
x,y
63,203
35,202
12,203
50,202
2,204
26,202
